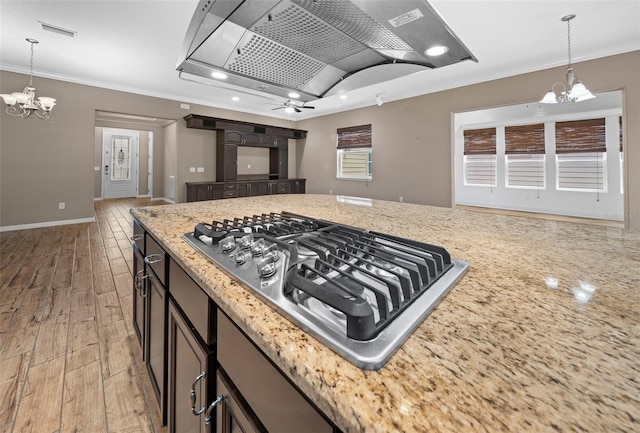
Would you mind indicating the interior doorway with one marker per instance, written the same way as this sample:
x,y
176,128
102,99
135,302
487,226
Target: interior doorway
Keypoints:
x,y
119,163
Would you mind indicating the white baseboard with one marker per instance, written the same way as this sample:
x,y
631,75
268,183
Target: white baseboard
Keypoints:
x,y
46,224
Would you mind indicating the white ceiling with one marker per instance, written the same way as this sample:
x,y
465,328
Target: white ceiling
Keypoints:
x,y
133,46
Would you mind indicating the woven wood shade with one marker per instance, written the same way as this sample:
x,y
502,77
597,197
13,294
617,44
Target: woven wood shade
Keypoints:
x,y
354,136
620,120
524,139
581,136
480,141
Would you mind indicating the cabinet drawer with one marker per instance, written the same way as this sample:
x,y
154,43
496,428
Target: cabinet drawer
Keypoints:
x,y
138,236
156,258
199,309
276,402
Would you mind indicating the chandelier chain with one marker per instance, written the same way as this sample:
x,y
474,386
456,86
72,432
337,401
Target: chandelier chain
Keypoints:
x,y
31,67
569,41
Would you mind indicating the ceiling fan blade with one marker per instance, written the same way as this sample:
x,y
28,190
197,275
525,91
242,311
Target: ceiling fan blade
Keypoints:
x,y
277,108
297,109
307,106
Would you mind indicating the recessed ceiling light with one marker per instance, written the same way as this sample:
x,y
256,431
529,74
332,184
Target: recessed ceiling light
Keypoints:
x,y
436,50
219,75
235,98
343,96
294,95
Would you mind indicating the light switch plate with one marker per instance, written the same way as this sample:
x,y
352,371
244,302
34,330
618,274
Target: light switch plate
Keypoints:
x,y
200,169
192,169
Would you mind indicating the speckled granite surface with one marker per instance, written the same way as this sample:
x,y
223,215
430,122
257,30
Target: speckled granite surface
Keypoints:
x,y
502,352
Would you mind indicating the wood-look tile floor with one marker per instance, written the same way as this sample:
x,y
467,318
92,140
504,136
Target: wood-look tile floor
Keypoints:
x,y
69,358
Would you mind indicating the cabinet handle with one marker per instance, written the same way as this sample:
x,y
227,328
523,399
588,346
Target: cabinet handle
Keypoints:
x,y
192,395
212,406
153,258
137,237
141,287
136,279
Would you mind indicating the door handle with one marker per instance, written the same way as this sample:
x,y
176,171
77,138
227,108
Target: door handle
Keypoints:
x,y
192,395
106,170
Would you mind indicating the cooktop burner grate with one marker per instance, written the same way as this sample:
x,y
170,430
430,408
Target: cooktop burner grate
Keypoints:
x,y
362,293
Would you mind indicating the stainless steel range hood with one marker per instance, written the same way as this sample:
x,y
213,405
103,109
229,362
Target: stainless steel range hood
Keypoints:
x,y
309,46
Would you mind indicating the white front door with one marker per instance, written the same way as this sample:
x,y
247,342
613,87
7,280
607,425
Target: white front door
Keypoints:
x,y
119,163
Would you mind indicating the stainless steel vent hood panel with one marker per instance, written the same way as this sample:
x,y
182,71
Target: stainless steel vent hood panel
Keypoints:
x,y
311,45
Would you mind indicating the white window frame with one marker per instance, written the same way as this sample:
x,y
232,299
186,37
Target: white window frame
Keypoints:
x,y
340,160
477,159
535,158
567,156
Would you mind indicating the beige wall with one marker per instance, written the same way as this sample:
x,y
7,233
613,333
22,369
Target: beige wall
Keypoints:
x,y
45,162
412,138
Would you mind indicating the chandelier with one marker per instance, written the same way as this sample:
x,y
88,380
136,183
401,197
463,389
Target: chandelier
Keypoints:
x,y
24,104
574,91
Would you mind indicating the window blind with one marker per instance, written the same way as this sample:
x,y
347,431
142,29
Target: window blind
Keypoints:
x,y
581,136
620,130
524,139
480,141
354,136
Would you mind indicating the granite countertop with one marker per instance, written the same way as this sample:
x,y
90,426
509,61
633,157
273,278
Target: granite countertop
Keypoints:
x,y
502,352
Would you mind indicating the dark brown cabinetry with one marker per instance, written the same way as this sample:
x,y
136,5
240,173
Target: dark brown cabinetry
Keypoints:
x,y
150,301
139,295
192,338
199,191
261,384
207,375
190,383
233,414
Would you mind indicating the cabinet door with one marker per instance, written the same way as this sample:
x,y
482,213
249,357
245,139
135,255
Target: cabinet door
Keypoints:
x,y
233,137
258,188
250,138
216,191
233,414
201,192
187,361
139,293
155,340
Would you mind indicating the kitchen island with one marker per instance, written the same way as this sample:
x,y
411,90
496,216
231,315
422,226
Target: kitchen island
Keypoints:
x,y
502,351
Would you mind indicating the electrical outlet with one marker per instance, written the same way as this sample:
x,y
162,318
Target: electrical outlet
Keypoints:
x,y
200,169
61,205
330,191
249,166
401,199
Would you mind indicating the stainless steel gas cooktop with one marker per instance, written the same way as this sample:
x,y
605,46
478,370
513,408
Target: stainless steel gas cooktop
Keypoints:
x,y
361,293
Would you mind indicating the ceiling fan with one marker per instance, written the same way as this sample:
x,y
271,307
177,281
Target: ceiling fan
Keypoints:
x,y
291,105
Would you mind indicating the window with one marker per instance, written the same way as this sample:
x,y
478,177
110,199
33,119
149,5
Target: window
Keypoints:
x,y
480,157
581,155
524,156
354,153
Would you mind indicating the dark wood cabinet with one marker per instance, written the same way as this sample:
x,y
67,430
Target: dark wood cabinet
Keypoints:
x,y
226,161
150,302
297,186
156,339
190,379
233,414
205,372
139,294
200,191
240,137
